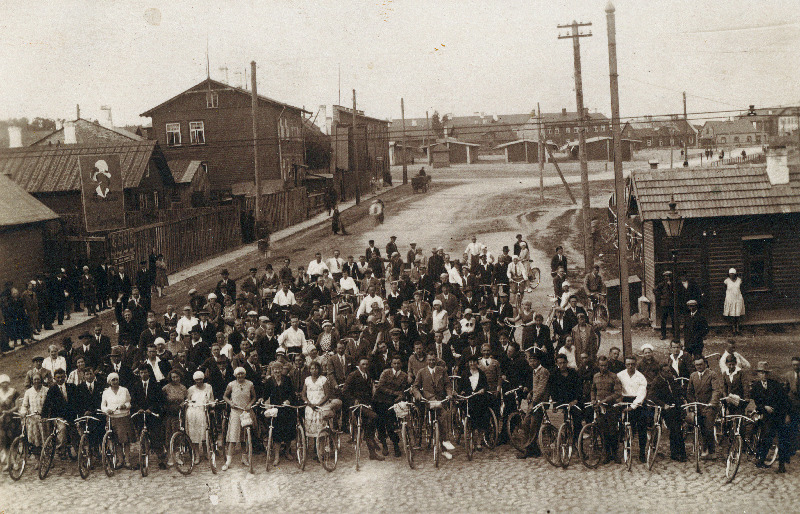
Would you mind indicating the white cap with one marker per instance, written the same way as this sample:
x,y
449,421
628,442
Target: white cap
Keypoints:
x,y
239,370
647,346
437,302
212,295
4,378
159,340
198,375
112,376
732,271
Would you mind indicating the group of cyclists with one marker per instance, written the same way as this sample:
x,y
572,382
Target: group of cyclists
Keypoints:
x,y
421,352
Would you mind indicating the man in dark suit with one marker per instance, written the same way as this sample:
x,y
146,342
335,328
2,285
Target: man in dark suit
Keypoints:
x,y
226,282
87,351
144,283
772,401
539,335
119,289
398,347
506,310
139,310
358,389
115,365
100,274
694,330
560,328
705,386
184,368
679,361
320,292
61,402
198,350
371,250
90,396
442,350
147,398
379,361
207,330
149,335
421,309
571,313
59,292
558,260
159,368
432,383
391,384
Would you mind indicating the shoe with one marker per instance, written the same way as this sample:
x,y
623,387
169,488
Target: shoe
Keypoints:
x,y
642,459
448,455
479,448
704,454
276,460
397,452
373,455
781,468
170,463
448,445
760,464
523,455
384,449
162,465
682,458
708,456
225,467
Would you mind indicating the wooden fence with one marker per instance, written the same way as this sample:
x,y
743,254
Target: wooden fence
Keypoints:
x,y
757,158
282,209
183,242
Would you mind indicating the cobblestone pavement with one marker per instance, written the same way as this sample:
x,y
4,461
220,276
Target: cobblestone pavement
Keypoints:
x,y
495,481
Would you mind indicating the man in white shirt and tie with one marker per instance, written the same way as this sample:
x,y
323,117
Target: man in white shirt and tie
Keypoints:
x,y
335,266
315,268
634,390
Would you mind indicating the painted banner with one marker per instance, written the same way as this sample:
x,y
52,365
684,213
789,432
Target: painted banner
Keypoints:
x,y
101,187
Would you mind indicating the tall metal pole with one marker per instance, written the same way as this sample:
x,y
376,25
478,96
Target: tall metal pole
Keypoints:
x,y
428,138
356,164
588,246
541,152
256,171
622,207
403,116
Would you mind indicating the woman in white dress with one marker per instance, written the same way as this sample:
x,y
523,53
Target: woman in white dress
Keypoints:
x,y
316,393
116,404
240,395
32,403
439,321
734,301
198,396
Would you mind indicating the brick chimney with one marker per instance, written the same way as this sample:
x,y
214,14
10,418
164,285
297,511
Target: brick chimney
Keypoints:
x,y
778,165
563,111
14,136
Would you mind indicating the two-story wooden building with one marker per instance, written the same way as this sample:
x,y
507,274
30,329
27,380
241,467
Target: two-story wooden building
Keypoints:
x,y
212,122
732,133
365,148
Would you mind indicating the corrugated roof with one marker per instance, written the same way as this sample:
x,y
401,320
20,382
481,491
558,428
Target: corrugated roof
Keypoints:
x,y
17,207
51,168
712,192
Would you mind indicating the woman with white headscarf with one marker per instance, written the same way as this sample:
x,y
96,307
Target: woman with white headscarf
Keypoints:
x,y
198,396
116,404
240,395
734,301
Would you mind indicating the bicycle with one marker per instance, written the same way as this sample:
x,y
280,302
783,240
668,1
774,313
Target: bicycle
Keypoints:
x,y
692,408
432,426
513,329
357,411
108,448
328,442
465,419
515,433
403,411
598,304
216,451
591,442
49,446
248,438
565,439
626,434
84,446
20,450
654,433
144,442
745,443
519,291
548,436
181,449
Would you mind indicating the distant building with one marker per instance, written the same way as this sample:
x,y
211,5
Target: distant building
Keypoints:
x,y
85,132
485,130
731,133
366,148
458,152
652,132
192,187
524,150
602,149
562,128
212,122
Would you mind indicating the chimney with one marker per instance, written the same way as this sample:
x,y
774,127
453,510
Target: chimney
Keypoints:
x,y
14,136
778,165
70,138
322,115
563,111
586,111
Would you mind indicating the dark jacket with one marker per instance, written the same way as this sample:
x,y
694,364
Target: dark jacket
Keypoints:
x,y
56,406
358,388
695,330
153,400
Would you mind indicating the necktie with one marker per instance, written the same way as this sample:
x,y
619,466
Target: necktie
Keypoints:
x,y
64,391
145,389
91,388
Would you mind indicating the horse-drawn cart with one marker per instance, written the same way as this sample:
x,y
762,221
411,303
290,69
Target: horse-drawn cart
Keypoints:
x,y
420,183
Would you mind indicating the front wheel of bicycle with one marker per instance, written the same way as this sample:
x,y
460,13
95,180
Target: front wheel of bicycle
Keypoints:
x,y
517,432
47,455
84,457
590,446
469,442
534,278
548,441
17,457
653,439
249,448
109,449
182,451
627,447
213,455
144,453
493,432
696,439
268,450
437,441
734,457
301,447
326,450
564,443
408,446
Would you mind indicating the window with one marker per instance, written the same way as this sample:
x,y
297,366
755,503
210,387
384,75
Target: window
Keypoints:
x,y
557,131
596,128
749,139
735,139
723,140
212,100
197,133
758,139
569,130
173,134
672,141
757,262
649,142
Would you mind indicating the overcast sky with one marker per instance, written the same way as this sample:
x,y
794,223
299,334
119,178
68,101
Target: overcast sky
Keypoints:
x,y
453,56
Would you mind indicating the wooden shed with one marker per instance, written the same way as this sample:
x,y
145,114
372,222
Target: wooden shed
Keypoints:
x,y
523,150
192,187
602,149
458,152
744,217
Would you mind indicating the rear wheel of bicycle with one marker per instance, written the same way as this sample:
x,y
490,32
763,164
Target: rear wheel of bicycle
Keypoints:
x,y
84,457
182,451
517,432
564,443
47,455
17,457
600,312
408,446
144,453
772,455
456,427
414,427
437,441
548,441
653,440
696,439
627,447
326,449
268,450
590,446
493,432
734,457
301,448
213,455
249,449
534,278
109,454
358,447
469,442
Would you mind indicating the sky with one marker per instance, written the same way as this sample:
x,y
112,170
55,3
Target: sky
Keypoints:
x,y
454,56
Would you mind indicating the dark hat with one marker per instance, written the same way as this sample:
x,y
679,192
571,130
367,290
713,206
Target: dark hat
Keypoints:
x,y
116,351
140,262
224,271
38,358
195,330
392,237
85,335
253,269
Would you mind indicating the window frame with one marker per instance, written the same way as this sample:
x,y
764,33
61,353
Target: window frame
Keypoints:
x,y
766,257
192,132
213,96
168,132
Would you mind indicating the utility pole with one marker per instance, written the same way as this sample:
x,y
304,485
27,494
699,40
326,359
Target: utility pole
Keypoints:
x,y
621,204
253,111
685,143
428,139
540,151
355,154
588,246
403,117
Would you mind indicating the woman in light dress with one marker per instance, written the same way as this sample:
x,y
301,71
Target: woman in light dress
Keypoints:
x,y
317,395
116,404
734,301
32,403
198,396
8,405
240,395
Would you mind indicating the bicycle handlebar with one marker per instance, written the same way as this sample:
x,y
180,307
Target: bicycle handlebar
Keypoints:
x,y
695,405
62,420
85,418
567,406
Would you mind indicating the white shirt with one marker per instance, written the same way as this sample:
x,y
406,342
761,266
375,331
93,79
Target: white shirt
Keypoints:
x,y
565,298
675,362
366,304
185,325
52,364
741,362
335,264
315,268
292,337
635,386
473,249
516,270
489,257
473,380
227,351
348,283
467,325
571,362
283,299
439,320
156,370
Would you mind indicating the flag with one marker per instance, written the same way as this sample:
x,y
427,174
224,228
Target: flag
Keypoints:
x,y
101,187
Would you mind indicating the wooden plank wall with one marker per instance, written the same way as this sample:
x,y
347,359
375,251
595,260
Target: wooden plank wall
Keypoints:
x,y
282,209
183,242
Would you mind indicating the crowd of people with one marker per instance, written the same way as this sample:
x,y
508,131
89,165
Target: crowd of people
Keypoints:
x,y
369,330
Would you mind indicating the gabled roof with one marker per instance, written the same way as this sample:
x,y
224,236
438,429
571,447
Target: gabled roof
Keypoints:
x,y
520,141
183,170
738,126
710,192
55,168
554,118
450,140
17,207
89,132
215,85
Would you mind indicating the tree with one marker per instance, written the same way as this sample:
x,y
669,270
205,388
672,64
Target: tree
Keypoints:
x,y
436,125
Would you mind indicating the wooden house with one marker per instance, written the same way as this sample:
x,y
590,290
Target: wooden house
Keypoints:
x,y
602,148
524,150
459,152
192,187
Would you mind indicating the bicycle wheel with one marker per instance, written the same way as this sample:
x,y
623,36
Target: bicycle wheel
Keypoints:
x,y
249,449
358,447
408,447
414,428
590,446
17,457
772,455
326,450
601,312
548,441
493,432
301,450
564,443
109,449
456,426
437,441
534,278
269,450
653,439
734,457
84,457
47,455
144,453
213,457
696,439
627,447
182,451
469,443
517,432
